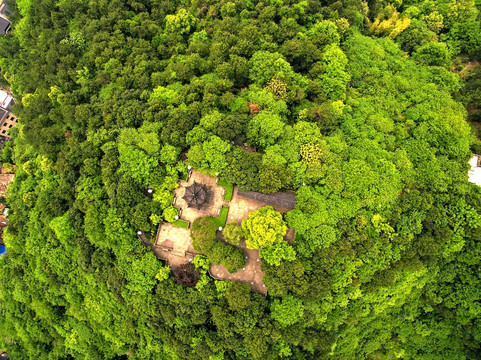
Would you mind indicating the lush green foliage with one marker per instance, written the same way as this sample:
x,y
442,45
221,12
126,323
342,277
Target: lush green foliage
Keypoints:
x,y
229,189
264,230
348,103
263,227
181,223
204,231
233,233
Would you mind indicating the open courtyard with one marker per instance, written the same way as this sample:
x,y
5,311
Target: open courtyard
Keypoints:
x,y
201,196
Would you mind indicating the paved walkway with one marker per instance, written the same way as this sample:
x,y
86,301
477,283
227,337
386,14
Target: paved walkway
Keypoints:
x,y
251,274
240,207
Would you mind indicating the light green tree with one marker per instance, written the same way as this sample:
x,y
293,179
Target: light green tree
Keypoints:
x,y
180,23
170,213
324,33
287,311
263,227
265,128
210,120
63,228
214,151
136,163
233,233
277,252
169,154
264,66
335,77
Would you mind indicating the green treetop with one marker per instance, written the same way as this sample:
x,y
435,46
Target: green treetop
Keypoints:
x,y
263,227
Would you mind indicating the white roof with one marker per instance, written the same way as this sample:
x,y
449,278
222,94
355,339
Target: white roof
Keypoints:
x,y
5,99
3,95
474,175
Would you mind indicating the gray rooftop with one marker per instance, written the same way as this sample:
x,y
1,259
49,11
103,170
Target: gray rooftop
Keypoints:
x,y
4,25
3,115
280,199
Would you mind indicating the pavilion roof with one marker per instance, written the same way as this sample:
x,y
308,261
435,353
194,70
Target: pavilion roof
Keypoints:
x,y
196,195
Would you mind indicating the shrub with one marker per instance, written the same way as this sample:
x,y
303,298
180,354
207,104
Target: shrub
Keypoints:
x,y
203,233
181,224
229,189
235,260
232,258
233,233
170,213
219,252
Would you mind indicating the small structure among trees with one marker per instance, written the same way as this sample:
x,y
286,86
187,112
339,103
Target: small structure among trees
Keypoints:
x,y
196,195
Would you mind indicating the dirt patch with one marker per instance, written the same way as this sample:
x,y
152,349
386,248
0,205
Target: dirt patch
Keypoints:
x,y
290,236
467,68
251,274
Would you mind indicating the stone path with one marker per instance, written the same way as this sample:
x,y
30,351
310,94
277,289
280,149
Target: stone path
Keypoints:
x,y
251,274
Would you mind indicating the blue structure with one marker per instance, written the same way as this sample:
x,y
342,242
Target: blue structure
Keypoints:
x,y
2,249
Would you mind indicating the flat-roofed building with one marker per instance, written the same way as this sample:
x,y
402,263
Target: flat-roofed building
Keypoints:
x,y
7,123
6,100
7,119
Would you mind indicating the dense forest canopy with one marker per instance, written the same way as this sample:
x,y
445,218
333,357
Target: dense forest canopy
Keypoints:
x,y
359,107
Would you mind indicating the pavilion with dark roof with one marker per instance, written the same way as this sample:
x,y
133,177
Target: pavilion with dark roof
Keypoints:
x,y
196,195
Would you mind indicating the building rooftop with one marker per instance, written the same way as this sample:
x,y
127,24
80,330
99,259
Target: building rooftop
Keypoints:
x,y
474,175
280,199
196,195
6,100
3,115
4,24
